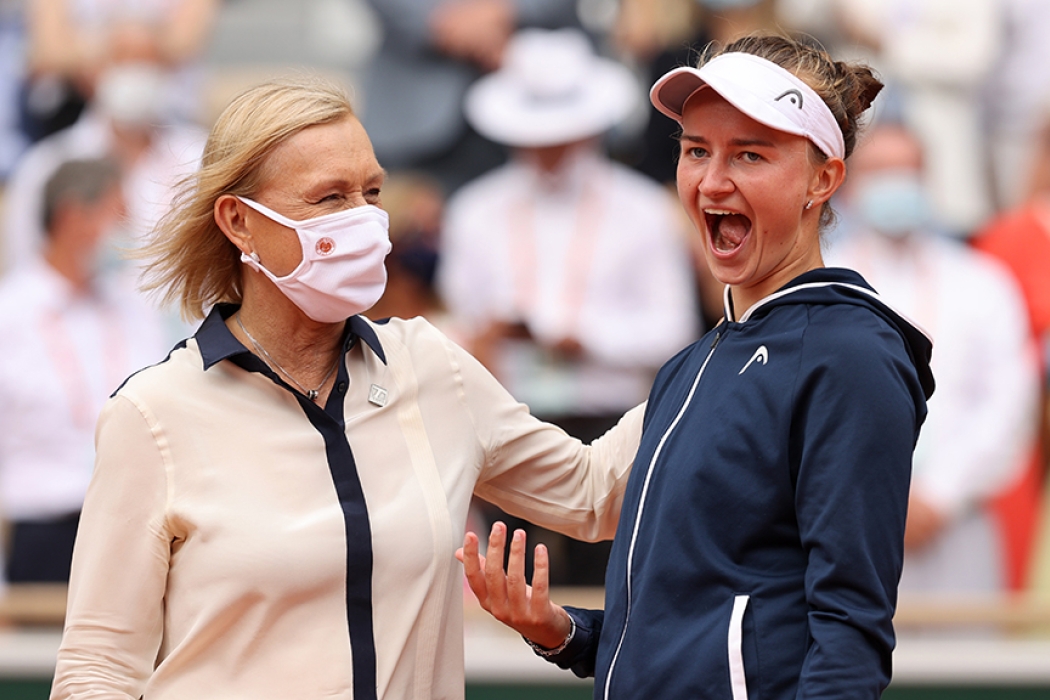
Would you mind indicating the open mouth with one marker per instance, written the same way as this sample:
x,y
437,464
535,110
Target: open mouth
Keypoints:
x,y
728,229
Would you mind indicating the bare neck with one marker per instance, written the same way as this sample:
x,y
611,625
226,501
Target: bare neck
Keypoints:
x,y
304,347
744,297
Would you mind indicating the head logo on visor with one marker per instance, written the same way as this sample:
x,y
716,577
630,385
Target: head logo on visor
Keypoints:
x,y
760,89
794,95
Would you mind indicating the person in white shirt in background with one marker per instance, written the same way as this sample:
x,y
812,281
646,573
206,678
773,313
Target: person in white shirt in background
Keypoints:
x,y
983,420
69,44
570,271
71,336
130,119
936,58
1017,96
431,52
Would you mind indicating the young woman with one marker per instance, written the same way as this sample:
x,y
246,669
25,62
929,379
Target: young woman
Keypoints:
x,y
761,536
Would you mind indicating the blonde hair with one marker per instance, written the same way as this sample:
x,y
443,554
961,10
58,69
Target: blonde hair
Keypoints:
x,y
189,260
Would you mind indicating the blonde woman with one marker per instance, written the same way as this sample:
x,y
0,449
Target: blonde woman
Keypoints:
x,y
275,506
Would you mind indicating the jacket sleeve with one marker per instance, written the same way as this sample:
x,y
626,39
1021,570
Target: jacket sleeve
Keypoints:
x,y
857,410
115,608
581,653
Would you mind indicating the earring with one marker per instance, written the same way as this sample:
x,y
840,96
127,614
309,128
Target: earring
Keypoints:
x,y
255,256
809,204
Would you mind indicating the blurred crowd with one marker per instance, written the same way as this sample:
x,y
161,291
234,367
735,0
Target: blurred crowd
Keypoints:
x,y
533,219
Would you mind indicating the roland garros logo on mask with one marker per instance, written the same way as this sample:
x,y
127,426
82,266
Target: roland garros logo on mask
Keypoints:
x,y
325,246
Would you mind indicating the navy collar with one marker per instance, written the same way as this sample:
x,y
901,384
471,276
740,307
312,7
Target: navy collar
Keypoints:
x,y
818,275
217,343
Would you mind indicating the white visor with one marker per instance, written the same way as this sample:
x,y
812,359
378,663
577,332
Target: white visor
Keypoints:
x,y
760,89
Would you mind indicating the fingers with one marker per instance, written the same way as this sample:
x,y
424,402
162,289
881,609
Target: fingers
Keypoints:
x,y
517,587
539,601
506,592
519,593
551,625
495,578
473,567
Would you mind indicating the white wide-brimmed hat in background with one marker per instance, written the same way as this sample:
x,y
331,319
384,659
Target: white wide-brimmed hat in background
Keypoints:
x,y
551,89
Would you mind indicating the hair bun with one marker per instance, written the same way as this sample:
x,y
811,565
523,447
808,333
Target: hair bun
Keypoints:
x,y
864,83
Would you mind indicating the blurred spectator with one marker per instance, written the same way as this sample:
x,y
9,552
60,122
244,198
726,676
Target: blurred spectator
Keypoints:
x,y
70,45
981,427
1017,96
658,35
70,336
727,20
127,120
935,57
824,21
432,51
570,270
415,203
12,70
1020,238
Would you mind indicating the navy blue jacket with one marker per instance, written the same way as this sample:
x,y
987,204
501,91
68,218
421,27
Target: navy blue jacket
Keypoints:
x,y
761,537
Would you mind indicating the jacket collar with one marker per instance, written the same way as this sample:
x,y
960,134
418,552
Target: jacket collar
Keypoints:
x,y
836,285
813,279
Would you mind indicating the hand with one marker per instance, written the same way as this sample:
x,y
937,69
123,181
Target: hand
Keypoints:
x,y
925,522
473,30
506,595
639,30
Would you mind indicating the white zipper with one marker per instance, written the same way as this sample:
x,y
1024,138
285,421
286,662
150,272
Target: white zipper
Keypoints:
x,y
641,507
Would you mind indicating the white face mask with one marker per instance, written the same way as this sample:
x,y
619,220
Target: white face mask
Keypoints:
x,y
893,202
342,271
133,94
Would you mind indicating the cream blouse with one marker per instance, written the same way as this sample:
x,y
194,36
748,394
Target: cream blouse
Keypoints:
x,y
238,541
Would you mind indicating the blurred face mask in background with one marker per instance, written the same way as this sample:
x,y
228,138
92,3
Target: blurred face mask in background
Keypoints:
x,y
133,94
893,202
